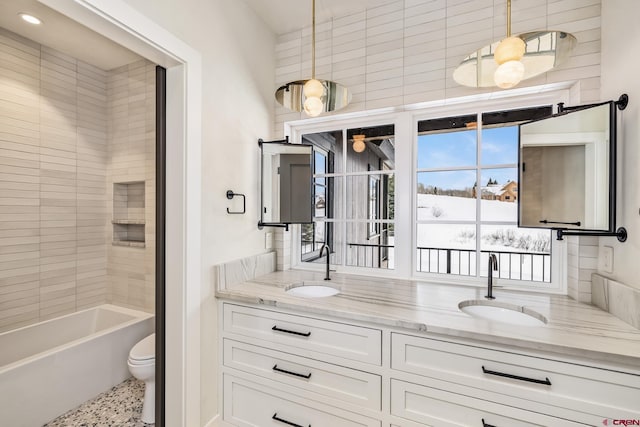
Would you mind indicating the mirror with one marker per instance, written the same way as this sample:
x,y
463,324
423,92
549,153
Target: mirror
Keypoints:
x,y
335,96
567,170
285,183
544,51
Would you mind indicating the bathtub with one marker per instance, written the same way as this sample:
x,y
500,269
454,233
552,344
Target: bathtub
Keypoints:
x,y
51,367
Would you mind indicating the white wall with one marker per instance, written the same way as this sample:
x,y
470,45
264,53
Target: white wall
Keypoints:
x,y
238,85
405,52
620,65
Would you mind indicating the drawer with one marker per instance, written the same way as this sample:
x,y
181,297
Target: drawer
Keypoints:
x,y
319,336
560,386
330,381
434,407
251,404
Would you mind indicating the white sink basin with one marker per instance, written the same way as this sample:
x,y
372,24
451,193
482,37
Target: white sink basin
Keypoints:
x,y
502,312
312,290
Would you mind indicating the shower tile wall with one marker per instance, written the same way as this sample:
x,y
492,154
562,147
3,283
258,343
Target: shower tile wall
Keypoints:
x,y
131,93
54,193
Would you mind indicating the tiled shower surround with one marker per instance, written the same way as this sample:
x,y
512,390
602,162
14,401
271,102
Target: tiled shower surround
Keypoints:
x,y
68,130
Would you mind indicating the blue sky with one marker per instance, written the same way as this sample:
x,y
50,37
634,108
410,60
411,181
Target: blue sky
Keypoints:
x,y
454,149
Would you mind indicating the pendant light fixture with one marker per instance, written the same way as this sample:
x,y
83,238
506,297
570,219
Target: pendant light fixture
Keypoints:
x,y
508,55
507,62
313,96
358,143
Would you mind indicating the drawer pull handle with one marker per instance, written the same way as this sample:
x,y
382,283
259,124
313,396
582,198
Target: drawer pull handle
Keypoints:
x,y
283,421
516,377
302,334
486,425
295,374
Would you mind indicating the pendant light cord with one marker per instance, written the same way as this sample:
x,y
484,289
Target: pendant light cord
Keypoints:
x,y
508,18
313,39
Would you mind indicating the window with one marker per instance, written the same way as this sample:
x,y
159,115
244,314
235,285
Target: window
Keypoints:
x,y
354,198
432,193
466,204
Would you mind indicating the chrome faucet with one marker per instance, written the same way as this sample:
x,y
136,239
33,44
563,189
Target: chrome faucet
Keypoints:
x,y
493,266
326,276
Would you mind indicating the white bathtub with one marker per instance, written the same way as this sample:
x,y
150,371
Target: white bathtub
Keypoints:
x,y
51,367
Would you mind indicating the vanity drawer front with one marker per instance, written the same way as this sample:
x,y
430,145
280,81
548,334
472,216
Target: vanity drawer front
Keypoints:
x,y
321,336
433,407
335,382
250,404
558,385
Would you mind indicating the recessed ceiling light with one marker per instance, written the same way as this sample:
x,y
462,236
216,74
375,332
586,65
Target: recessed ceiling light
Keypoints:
x,y
30,18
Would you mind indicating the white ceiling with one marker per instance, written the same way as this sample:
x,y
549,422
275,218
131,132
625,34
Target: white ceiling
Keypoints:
x,y
284,16
63,34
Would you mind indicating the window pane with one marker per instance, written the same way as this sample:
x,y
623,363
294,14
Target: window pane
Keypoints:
x,y
328,151
500,145
320,162
523,254
447,248
320,201
441,150
499,195
313,236
446,196
371,149
370,197
327,197
365,250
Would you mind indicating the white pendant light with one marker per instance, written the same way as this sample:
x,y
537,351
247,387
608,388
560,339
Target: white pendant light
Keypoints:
x,y
313,96
358,143
508,54
515,58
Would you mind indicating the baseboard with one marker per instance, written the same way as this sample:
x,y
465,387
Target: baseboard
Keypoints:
x,y
214,422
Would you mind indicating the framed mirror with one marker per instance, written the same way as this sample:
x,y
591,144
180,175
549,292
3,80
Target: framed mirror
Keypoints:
x,y
286,182
567,173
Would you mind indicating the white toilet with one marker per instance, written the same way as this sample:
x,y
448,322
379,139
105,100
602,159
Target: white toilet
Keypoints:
x,y
142,365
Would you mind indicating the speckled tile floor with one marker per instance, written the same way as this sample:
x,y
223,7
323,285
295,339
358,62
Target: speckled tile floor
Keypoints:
x,y
119,407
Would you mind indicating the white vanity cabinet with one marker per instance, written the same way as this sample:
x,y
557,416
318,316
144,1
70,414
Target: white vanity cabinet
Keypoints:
x,y
283,368
556,388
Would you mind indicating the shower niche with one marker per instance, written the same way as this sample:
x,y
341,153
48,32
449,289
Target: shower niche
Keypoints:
x,y
129,214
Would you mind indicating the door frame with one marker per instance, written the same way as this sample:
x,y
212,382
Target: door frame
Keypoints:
x,y
123,24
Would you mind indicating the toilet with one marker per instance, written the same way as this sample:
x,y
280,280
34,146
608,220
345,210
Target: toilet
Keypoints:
x,y
142,365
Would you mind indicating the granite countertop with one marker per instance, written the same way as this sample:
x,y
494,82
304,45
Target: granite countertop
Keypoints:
x,y
572,329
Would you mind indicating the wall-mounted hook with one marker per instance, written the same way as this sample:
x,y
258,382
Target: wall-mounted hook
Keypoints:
x,y
231,195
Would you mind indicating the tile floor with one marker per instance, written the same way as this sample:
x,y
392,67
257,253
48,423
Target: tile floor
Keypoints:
x,y
119,407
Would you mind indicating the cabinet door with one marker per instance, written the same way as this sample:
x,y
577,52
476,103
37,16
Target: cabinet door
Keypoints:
x,y
434,407
553,387
320,336
250,404
330,381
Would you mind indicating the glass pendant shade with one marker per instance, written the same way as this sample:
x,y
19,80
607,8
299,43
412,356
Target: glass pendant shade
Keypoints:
x,y
509,74
313,106
509,49
313,88
358,143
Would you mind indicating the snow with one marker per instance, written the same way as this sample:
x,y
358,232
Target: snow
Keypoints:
x,y
505,238
452,208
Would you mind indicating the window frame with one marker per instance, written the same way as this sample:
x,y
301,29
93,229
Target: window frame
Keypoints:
x,y
405,119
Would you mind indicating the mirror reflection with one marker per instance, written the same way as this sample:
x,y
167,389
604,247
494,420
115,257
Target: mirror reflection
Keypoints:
x,y
286,183
566,170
